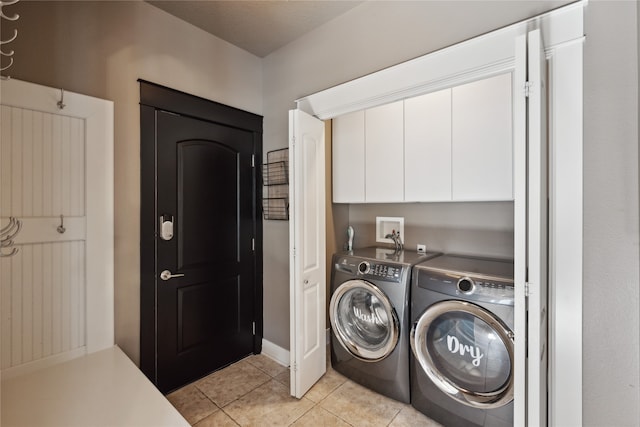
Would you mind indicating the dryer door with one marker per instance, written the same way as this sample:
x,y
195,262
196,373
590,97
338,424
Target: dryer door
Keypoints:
x,y
363,320
467,352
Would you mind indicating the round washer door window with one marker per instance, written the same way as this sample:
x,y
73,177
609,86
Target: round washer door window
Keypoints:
x,y
467,352
364,320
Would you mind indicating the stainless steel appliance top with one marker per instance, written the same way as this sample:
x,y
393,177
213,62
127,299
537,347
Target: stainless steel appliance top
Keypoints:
x,y
390,255
471,266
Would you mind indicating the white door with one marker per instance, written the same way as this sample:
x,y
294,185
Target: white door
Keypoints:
x,y
307,292
530,224
537,233
56,172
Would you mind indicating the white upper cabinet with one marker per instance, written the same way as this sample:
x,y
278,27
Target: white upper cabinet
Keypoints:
x,y
384,153
427,147
482,147
348,158
452,145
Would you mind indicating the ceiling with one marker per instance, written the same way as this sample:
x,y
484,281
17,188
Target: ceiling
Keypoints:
x,y
259,27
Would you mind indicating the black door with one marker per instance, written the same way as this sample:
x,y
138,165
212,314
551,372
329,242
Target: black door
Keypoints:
x,y
205,263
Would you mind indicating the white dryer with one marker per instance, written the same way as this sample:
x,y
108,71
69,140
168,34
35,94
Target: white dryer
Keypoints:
x,y
462,312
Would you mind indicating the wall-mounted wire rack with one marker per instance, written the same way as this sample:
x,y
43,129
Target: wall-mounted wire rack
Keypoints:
x,y
275,177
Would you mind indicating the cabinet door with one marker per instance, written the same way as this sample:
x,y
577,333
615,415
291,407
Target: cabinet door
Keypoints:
x,y
384,154
427,147
348,158
482,148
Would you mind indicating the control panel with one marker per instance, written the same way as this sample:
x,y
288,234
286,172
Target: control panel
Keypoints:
x,y
474,288
467,285
381,271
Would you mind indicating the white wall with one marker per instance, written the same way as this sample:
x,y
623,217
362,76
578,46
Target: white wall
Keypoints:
x,y
101,49
611,325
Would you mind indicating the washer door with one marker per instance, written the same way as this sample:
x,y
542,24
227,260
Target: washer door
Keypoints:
x,y
363,320
467,352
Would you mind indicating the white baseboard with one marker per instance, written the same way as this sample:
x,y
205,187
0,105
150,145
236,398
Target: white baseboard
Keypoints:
x,y
275,352
280,354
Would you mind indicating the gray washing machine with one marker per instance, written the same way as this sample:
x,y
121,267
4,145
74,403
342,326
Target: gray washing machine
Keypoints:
x,y
462,314
369,313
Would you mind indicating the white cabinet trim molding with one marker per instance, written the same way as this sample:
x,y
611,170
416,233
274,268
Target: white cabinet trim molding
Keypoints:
x,y
484,56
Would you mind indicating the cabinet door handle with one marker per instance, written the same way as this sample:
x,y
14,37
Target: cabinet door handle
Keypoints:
x,y
166,275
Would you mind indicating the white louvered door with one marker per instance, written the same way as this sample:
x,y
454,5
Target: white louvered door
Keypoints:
x,y
43,183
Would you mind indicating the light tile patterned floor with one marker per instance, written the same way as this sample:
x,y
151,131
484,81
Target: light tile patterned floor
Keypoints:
x,y
255,392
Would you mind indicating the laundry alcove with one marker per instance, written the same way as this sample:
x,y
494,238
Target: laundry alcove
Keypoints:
x,y
498,52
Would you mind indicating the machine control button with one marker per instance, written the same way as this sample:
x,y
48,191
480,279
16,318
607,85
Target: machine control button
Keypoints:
x,y
363,267
465,285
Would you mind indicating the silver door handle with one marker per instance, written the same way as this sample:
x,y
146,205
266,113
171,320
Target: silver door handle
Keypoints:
x,y
166,275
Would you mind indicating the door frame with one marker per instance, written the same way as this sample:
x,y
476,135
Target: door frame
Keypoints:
x,y
484,56
156,97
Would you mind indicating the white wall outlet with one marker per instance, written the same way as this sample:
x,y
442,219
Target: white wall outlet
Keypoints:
x,y
422,248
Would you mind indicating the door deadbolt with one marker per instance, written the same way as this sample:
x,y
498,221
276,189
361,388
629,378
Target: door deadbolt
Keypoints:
x,y
166,275
166,227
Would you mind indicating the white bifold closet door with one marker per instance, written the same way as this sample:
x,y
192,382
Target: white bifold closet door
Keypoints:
x,y
307,238
43,284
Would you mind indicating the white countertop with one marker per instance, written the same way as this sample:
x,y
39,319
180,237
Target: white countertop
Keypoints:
x,y
100,389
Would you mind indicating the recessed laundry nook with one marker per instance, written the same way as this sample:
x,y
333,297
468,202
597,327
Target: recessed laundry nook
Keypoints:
x,y
460,143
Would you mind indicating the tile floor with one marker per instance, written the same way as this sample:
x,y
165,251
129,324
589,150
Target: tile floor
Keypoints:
x,y
255,392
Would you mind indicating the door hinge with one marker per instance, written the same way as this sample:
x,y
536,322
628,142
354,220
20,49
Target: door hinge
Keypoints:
x,y
253,244
253,160
527,89
254,328
527,291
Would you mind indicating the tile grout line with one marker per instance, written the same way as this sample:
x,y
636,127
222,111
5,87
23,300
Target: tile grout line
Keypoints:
x,y
317,405
395,416
232,419
331,412
303,414
237,398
